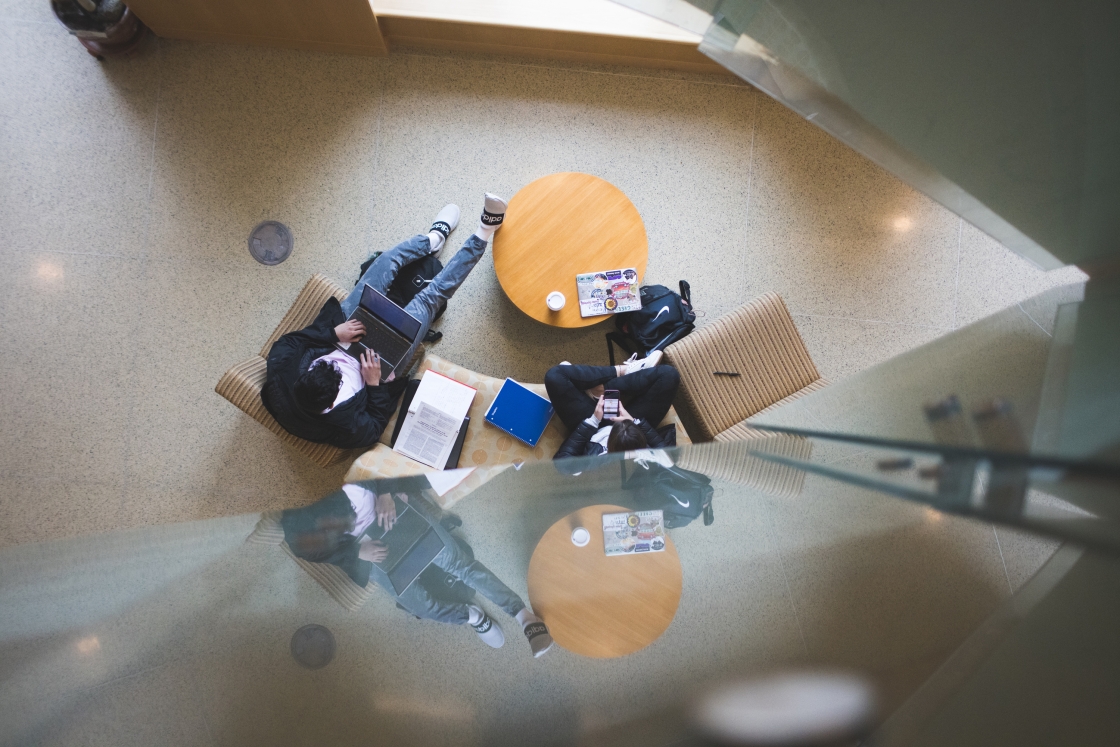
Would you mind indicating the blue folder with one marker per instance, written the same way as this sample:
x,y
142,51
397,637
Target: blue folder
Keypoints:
x,y
520,412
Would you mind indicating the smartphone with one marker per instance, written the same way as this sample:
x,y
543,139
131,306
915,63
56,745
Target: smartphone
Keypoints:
x,y
610,403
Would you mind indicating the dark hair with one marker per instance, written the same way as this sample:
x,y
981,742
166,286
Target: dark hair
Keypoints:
x,y
317,387
626,436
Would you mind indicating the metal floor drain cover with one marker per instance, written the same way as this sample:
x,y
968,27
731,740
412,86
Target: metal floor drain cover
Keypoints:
x,y
313,646
270,243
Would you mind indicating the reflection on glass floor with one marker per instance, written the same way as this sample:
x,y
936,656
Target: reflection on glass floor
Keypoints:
x,y
181,634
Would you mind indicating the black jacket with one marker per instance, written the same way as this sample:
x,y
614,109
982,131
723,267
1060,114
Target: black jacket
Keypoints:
x,y
318,533
579,442
356,423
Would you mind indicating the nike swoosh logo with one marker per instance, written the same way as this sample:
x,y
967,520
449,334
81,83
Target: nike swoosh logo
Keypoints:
x,y
664,310
683,505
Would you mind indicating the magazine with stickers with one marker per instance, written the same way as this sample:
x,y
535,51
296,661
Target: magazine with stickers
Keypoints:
x,y
608,292
633,532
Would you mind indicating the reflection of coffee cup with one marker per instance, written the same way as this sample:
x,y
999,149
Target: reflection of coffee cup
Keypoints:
x,y
580,536
555,300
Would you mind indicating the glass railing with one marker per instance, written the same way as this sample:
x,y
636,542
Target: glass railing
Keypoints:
x,y
781,553
1007,119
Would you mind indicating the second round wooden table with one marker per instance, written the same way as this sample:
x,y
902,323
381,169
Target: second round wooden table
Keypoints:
x,y
557,227
597,605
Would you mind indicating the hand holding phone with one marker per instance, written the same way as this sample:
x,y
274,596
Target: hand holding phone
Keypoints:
x,y
610,404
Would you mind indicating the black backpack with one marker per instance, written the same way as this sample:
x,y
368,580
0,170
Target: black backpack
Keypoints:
x,y
411,279
664,318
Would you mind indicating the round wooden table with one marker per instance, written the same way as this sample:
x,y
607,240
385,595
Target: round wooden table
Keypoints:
x,y
557,227
596,605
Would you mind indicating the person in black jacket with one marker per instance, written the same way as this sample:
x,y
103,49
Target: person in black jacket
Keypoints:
x,y
335,530
323,394
645,388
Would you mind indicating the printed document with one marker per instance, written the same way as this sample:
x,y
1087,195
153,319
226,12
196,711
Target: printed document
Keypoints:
x,y
428,435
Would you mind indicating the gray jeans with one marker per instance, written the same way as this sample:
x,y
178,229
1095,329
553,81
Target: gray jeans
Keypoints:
x,y
456,562
427,302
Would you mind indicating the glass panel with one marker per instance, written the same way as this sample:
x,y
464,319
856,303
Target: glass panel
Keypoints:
x,y
184,634
1007,118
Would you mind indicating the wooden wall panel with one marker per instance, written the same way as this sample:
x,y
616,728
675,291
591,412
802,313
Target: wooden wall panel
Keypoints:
x,y
544,43
344,26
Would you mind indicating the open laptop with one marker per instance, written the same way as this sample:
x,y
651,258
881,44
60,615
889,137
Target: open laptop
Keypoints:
x,y
412,546
390,330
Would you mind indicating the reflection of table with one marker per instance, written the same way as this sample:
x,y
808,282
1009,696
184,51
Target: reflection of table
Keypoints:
x,y
557,227
597,605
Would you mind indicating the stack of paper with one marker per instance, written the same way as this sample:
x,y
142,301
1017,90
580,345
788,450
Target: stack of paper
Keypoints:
x,y
433,419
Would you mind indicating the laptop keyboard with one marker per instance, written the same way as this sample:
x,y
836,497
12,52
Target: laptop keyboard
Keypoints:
x,y
388,345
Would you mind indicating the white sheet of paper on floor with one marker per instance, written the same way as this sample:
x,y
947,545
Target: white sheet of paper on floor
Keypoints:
x,y
443,482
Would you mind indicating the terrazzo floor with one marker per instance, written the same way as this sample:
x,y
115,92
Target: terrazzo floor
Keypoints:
x,y
127,190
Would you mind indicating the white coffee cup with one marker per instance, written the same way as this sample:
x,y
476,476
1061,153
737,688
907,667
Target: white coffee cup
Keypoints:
x,y
580,537
555,300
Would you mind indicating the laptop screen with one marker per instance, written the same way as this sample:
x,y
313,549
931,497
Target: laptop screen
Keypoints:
x,y
397,318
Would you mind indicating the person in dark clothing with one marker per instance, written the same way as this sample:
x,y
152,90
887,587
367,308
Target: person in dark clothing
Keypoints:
x,y
335,530
323,394
646,391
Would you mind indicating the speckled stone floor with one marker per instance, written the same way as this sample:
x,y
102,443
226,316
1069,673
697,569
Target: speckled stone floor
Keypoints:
x,y
128,189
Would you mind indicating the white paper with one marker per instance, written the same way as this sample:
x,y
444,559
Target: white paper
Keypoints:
x,y
443,393
428,435
445,480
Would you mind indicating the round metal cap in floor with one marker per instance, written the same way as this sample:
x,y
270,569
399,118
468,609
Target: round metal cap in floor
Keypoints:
x,y
270,243
313,646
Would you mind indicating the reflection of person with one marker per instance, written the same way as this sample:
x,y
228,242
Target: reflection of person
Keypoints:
x,y
325,395
646,390
333,531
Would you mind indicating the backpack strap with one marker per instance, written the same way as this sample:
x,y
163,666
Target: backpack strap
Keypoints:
x,y
686,292
622,341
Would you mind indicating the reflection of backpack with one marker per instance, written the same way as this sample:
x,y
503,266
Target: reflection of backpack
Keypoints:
x,y
664,318
681,494
411,279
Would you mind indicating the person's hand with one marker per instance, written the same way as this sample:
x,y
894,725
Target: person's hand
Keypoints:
x,y
371,368
622,414
372,550
350,330
599,408
386,511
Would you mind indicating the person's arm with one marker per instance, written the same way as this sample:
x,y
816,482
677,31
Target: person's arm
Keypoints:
x,y
322,331
576,443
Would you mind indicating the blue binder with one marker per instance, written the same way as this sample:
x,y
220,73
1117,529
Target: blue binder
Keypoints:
x,y
520,412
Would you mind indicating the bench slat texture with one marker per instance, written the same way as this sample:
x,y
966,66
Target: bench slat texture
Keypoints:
x,y
760,342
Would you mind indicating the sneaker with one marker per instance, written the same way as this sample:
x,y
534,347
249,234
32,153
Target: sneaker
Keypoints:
x,y
633,363
486,628
540,641
446,221
493,211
